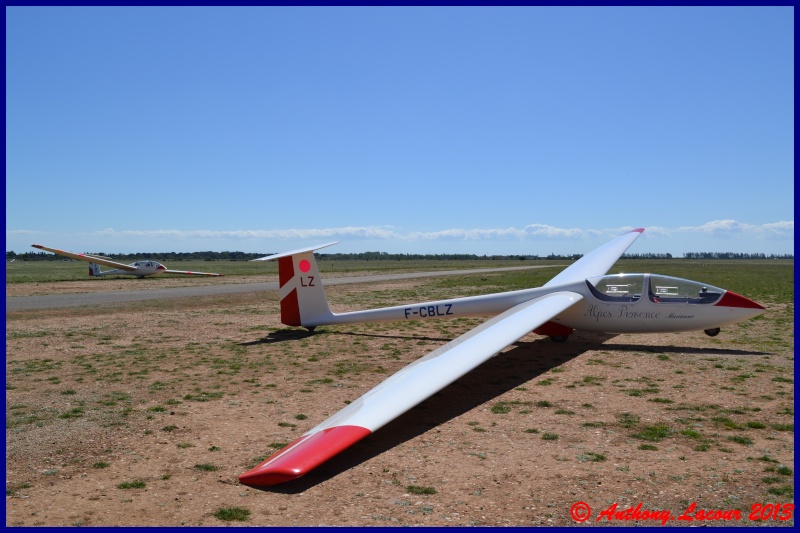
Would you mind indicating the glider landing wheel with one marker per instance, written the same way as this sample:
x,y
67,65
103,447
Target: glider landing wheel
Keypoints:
x,y
311,328
711,332
558,338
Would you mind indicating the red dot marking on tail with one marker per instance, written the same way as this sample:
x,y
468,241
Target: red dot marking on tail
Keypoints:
x,y
304,265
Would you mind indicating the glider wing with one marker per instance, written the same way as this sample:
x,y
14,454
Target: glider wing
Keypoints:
x,y
598,261
406,388
86,257
189,272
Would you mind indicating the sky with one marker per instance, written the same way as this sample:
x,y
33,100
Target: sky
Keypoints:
x,y
485,130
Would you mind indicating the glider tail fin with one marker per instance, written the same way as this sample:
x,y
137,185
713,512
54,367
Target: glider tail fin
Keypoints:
x,y
303,300
94,269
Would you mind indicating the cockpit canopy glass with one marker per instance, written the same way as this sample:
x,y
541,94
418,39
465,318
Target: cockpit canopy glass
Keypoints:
x,y
658,288
617,287
666,289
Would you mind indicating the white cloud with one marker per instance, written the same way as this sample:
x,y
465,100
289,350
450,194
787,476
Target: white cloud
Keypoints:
x,y
779,230
732,229
346,232
716,235
22,232
722,229
532,232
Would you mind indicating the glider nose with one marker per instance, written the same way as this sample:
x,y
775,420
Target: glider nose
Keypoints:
x,y
738,305
731,299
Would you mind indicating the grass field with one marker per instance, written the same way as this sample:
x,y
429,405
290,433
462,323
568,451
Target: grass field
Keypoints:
x,y
145,413
759,279
49,271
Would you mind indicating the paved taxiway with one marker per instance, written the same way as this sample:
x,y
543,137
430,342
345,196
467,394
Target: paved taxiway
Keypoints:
x,y
52,301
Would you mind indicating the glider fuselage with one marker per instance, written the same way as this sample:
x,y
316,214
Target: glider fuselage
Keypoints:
x,y
142,269
631,303
670,304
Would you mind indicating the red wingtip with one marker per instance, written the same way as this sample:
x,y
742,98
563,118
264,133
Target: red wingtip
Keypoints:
x,y
637,230
303,455
731,299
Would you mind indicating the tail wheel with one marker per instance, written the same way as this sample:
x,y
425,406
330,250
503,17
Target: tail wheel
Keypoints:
x,y
711,332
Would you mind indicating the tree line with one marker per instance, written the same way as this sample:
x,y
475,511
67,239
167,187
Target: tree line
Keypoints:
x,y
734,255
383,256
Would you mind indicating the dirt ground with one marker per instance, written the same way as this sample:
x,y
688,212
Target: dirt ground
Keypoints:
x,y
145,414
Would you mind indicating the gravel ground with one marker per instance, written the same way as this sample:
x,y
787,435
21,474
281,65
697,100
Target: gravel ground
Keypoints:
x,y
146,413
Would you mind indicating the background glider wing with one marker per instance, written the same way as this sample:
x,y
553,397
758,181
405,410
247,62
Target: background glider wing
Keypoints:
x,y
86,257
190,273
407,388
598,261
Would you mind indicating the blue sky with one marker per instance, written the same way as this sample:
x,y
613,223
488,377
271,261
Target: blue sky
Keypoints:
x,y
433,130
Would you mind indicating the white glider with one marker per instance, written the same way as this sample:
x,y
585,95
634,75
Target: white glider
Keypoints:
x,y
139,269
581,297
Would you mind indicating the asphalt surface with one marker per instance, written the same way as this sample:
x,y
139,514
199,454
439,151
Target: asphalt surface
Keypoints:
x,y
53,301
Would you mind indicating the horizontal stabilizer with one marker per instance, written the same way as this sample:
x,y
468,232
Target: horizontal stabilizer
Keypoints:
x,y
295,252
